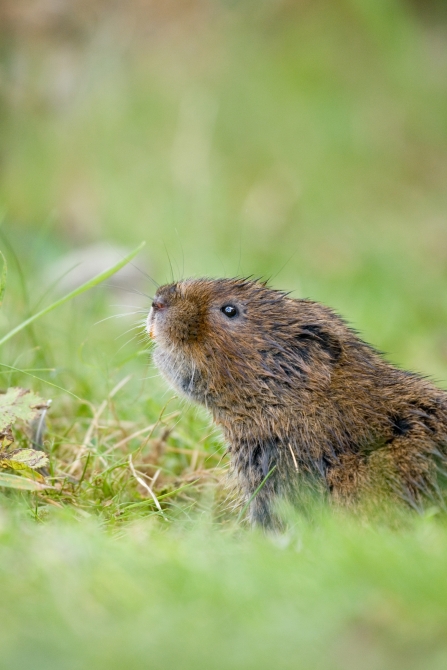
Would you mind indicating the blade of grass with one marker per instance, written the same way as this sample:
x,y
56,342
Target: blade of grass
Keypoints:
x,y
146,486
81,289
3,278
19,269
131,505
181,488
17,482
253,496
44,381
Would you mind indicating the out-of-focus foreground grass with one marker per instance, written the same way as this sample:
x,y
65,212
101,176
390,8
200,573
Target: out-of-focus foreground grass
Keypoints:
x,y
330,594
306,140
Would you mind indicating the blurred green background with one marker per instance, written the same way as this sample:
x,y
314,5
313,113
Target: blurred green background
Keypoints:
x,y
304,140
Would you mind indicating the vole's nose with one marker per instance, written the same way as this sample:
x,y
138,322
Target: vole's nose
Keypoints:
x,y
158,303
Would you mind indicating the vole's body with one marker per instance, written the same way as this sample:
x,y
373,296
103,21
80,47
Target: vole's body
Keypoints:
x,y
293,387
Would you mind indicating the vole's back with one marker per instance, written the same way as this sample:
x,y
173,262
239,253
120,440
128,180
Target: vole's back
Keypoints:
x,y
299,394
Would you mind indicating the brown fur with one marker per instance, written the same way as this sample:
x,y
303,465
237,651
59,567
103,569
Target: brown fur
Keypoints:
x,y
293,386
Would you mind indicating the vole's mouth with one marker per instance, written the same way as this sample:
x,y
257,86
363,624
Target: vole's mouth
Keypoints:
x,y
159,304
150,324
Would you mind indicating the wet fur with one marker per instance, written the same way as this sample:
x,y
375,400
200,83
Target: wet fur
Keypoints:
x,y
295,389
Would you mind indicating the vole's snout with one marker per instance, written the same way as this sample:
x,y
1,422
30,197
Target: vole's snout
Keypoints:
x,y
150,323
158,304
159,307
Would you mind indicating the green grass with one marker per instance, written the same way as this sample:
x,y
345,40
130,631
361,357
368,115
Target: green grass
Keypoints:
x,y
307,141
331,593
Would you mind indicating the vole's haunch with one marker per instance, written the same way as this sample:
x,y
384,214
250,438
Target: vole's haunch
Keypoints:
x,y
298,393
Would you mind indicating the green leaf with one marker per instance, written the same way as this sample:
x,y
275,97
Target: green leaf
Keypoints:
x,y
23,459
16,482
18,403
3,278
81,289
6,438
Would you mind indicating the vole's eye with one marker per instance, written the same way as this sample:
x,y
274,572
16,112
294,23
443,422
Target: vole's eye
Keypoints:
x,y
230,310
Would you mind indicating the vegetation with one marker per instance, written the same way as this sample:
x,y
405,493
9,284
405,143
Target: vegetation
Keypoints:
x,y
305,141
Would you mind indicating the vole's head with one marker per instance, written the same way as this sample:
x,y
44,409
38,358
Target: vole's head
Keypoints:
x,y
224,340
206,331
195,312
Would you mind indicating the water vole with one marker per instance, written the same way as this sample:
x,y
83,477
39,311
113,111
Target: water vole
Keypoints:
x,y
298,394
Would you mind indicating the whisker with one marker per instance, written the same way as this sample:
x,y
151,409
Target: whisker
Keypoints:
x,y
136,311
145,274
125,344
128,290
117,316
183,253
170,264
240,252
137,327
283,266
142,272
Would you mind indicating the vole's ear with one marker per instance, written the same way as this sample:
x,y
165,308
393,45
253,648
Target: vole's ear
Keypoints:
x,y
312,336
